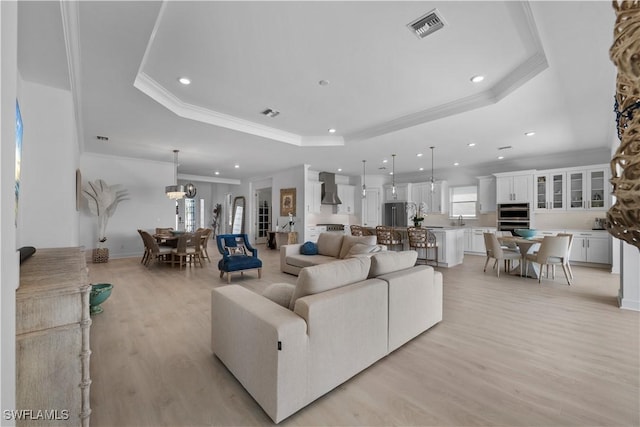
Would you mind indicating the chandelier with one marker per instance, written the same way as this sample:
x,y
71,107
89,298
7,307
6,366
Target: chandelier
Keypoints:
x,y
175,192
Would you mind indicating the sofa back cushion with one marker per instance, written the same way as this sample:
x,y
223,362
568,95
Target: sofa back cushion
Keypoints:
x,y
390,261
323,277
349,241
360,249
329,244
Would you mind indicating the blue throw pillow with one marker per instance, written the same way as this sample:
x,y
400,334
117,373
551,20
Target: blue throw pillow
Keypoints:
x,y
309,248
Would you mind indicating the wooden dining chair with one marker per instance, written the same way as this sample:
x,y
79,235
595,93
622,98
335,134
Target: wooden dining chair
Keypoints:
x,y
146,254
156,252
204,241
188,250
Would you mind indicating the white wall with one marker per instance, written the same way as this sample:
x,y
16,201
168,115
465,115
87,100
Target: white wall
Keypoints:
x,y
9,268
47,211
147,206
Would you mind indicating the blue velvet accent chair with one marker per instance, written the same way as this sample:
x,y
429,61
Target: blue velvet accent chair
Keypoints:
x,y
237,255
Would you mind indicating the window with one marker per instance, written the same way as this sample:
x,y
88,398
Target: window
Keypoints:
x,y
189,215
463,201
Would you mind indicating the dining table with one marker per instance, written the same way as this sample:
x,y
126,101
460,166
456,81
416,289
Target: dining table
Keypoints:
x,y
525,246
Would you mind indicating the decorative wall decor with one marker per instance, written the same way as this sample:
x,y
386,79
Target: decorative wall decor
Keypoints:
x,y
103,201
624,216
287,201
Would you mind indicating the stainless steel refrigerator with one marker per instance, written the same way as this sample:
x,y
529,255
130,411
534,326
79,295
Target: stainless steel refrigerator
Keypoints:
x,y
395,214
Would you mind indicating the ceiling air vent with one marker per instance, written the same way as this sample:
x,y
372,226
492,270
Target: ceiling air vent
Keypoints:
x,y
427,24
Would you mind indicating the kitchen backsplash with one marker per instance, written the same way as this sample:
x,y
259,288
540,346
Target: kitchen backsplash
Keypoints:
x,y
566,220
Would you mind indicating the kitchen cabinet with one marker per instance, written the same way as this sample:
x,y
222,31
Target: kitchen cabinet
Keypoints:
x,y
436,202
514,187
591,246
486,194
371,208
313,196
475,236
450,246
549,191
403,192
312,232
588,189
346,194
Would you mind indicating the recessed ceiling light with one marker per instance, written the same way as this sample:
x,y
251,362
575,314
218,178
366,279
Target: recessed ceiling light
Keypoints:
x,y
456,164
385,161
477,79
530,133
421,169
184,80
323,82
339,169
390,173
216,173
471,144
236,166
332,130
419,155
500,157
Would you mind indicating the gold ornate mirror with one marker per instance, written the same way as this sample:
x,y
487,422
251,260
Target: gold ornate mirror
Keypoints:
x,y
239,208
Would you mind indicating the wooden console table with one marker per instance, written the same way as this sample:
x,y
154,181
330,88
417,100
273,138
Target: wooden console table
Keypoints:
x,y
52,337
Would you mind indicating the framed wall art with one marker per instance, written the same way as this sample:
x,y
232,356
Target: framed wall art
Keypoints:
x,y
287,201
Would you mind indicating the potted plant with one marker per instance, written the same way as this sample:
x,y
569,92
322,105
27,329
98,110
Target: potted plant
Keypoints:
x,y
103,200
417,208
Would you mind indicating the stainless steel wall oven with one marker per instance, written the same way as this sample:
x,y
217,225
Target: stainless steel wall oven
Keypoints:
x,y
513,215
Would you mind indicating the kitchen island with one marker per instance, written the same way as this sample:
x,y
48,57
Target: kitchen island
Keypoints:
x,y
450,243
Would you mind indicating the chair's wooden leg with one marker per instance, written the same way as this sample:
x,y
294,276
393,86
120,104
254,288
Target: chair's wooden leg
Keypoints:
x,y
565,274
221,273
498,268
569,268
259,273
540,275
485,264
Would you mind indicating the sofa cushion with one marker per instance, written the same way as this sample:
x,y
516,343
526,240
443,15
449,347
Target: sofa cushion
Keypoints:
x,y
390,261
302,261
349,241
280,293
309,248
362,249
329,244
331,275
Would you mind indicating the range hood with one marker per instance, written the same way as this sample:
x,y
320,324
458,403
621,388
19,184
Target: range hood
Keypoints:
x,y
329,189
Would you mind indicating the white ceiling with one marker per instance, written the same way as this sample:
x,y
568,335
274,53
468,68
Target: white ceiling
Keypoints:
x,y
546,69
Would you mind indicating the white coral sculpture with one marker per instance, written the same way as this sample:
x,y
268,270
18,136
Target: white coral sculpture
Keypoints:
x,y
103,200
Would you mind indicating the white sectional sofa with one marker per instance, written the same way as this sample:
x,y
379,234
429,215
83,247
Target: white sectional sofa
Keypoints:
x,y
331,247
296,343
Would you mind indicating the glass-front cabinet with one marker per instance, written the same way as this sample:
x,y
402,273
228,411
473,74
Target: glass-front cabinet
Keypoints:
x,y
588,189
550,191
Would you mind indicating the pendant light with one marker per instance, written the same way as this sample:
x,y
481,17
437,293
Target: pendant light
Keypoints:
x,y
433,184
364,175
175,192
393,177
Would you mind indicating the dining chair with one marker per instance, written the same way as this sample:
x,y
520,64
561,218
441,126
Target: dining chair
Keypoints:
x,y
166,231
568,253
388,236
157,252
204,241
237,255
421,238
188,250
553,251
356,230
145,255
497,252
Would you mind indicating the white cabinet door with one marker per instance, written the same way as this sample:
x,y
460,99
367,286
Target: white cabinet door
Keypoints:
x,y
486,194
514,188
477,243
371,208
599,250
313,196
588,189
504,189
468,242
346,194
549,191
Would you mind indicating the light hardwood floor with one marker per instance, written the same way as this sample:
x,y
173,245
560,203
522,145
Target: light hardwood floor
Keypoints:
x,y
509,352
